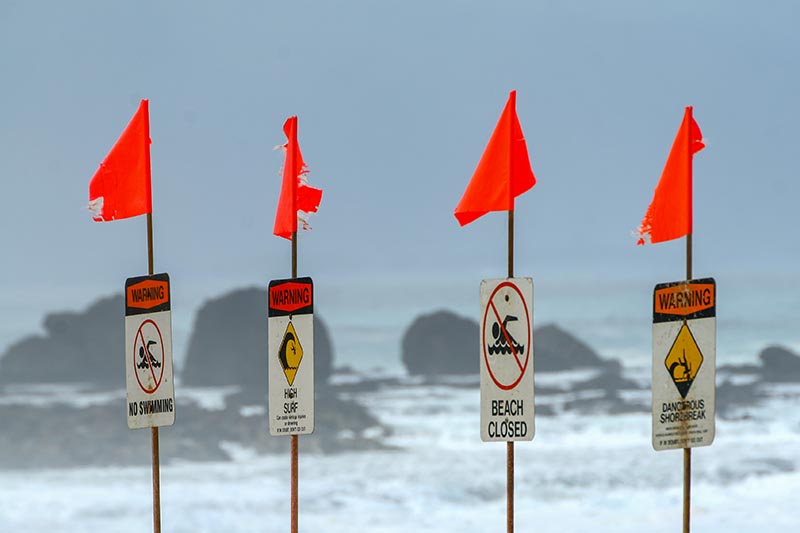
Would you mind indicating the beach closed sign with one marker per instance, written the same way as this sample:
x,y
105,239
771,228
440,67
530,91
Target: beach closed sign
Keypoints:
x,y
290,355
150,389
684,363
506,359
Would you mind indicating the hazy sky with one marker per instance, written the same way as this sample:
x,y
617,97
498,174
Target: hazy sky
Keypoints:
x,y
396,100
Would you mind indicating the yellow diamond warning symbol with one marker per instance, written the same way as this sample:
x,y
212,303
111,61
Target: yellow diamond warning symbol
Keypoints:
x,y
290,353
684,360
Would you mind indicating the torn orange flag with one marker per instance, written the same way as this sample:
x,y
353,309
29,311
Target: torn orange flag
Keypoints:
x,y
297,198
503,173
670,213
121,186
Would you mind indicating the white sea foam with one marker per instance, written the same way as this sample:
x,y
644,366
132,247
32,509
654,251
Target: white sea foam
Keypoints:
x,y
580,473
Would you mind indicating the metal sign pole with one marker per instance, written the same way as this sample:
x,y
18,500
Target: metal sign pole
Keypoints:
x,y
687,452
294,454
154,430
510,444
156,481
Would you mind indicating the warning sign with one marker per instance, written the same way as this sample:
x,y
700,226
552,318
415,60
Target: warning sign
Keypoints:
x,y
506,359
684,364
291,356
150,389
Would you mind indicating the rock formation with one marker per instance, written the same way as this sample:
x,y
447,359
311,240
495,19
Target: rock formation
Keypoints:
x,y
77,347
556,350
228,344
445,343
441,343
779,364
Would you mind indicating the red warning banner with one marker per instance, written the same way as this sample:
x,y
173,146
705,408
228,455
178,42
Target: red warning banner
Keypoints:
x,y
291,296
147,294
681,299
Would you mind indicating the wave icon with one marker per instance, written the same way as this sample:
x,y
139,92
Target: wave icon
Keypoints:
x,y
502,348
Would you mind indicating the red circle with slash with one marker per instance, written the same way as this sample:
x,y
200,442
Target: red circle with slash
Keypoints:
x,y
144,361
520,360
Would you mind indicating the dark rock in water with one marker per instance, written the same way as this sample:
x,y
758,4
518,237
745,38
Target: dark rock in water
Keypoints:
x,y
228,345
609,403
731,397
739,370
609,379
441,343
731,472
545,410
77,347
556,350
445,343
63,436
367,385
779,364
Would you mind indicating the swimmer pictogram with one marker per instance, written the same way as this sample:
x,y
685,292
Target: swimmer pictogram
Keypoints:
x,y
504,343
148,354
146,357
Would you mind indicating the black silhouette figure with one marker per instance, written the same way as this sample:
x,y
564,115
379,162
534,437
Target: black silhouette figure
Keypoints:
x,y
501,344
143,357
290,338
681,372
685,368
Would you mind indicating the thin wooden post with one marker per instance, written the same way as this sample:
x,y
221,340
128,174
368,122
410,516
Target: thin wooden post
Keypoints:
x,y
156,481
688,257
510,444
154,430
150,267
687,452
294,483
687,488
294,439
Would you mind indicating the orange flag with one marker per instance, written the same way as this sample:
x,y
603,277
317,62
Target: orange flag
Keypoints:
x,y
297,197
503,173
121,186
670,213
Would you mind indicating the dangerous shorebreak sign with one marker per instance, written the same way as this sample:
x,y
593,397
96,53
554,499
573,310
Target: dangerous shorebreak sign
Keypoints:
x,y
150,389
684,363
506,355
291,356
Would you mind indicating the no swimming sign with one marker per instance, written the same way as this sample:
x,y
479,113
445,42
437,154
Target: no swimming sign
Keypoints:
x,y
506,359
150,389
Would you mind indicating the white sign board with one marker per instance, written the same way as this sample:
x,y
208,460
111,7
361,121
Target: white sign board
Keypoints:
x,y
150,389
291,356
506,353
684,363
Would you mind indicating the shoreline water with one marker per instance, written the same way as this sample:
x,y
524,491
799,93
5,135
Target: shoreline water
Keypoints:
x,y
582,471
